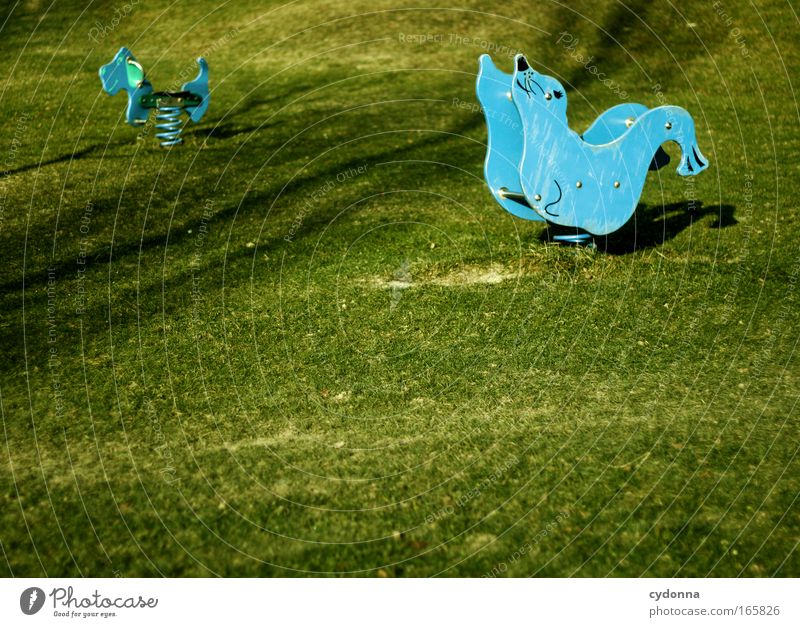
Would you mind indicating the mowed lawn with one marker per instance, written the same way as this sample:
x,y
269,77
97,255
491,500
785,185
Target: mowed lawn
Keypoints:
x,y
309,342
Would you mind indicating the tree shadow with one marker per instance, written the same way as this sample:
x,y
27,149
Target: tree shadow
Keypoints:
x,y
225,127
71,156
621,19
651,226
127,246
224,131
619,43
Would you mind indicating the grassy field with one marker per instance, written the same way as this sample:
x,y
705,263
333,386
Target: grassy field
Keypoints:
x,y
308,341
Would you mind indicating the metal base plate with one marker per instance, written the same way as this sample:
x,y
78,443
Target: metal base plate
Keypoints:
x,y
574,238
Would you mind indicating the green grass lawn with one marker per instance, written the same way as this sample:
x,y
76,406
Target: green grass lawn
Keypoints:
x,y
308,340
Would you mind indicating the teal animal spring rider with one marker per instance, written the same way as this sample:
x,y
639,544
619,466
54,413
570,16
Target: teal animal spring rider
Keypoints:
x,y
537,168
125,72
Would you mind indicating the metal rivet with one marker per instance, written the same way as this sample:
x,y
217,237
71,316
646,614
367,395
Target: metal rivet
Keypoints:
x,y
578,184
629,122
537,197
509,96
547,96
616,183
668,125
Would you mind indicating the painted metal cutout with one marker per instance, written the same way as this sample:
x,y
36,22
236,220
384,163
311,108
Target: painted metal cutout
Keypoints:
x,y
504,147
591,181
124,72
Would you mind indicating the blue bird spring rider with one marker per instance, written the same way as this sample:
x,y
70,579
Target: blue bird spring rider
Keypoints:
x,y
125,72
539,169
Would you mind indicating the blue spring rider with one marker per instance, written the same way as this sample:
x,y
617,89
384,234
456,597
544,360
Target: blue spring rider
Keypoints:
x,y
125,72
539,169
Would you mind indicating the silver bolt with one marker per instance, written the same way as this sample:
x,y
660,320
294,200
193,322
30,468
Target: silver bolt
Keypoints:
x,y
547,96
537,197
629,122
668,125
578,184
616,183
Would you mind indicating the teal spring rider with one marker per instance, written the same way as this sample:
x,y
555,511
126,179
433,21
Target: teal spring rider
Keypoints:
x,y
537,168
125,72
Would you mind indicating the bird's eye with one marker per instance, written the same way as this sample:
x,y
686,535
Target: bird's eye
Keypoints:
x,y
558,94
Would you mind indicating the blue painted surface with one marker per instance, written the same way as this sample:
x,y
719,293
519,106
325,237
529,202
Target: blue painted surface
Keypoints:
x,y
119,75
199,86
612,123
125,73
592,182
504,147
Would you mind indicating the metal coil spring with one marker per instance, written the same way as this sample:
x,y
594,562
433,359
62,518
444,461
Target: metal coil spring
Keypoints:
x,y
170,125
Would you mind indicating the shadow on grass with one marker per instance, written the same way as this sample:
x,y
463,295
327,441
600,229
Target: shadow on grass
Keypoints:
x,y
251,202
651,226
226,126
621,19
70,156
129,245
224,131
130,248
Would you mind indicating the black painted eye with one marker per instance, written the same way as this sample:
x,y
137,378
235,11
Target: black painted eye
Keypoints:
x,y
558,94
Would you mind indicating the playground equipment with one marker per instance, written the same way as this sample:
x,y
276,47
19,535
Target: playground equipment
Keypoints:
x,y
125,72
537,168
